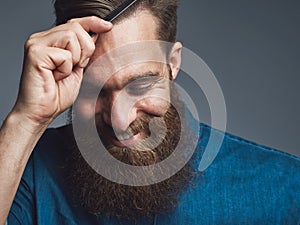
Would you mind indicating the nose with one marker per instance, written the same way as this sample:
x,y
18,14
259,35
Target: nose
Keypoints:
x,y
121,111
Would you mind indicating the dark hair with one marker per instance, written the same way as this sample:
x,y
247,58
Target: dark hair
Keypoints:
x,y
165,11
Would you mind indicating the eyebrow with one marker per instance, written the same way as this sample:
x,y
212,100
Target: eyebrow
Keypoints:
x,y
150,74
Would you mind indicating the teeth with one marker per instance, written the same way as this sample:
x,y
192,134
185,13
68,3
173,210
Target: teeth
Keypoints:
x,y
124,136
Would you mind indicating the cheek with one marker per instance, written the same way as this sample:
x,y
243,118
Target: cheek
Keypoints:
x,y
153,105
157,102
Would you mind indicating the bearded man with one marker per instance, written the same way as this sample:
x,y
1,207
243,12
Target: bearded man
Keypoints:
x,y
110,164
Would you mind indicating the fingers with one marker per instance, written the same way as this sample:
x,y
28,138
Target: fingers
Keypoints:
x,y
62,61
73,37
60,39
53,67
56,60
88,24
86,43
93,24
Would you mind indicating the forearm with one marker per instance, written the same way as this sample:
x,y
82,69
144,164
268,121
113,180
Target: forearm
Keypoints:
x,y
17,140
54,62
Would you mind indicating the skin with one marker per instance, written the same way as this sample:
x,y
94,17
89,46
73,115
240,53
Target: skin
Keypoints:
x,y
52,74
120,107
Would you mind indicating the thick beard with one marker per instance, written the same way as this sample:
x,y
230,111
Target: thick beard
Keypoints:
x,y
101,196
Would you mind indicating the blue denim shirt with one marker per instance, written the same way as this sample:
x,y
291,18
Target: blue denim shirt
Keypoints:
x,y
246,184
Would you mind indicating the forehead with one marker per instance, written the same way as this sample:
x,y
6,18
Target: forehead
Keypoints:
x,y
140,26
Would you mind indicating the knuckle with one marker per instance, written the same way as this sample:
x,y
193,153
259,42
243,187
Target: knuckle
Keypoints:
x,y
75,57
32,50
32,36
95,19
69,34
31,55
71,20
30,41
76,25
68,55
27,44
35,35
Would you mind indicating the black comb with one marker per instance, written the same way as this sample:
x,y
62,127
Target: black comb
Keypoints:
x,y
116,12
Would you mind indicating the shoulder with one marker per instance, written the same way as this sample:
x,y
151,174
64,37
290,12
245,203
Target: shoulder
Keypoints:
x,y
242,166
247,152
244,182
265,175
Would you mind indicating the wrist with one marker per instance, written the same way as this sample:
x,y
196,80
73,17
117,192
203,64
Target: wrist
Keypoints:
x,y
25,124
18,136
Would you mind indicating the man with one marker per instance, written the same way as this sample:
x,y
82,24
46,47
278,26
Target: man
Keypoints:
x,y
246,184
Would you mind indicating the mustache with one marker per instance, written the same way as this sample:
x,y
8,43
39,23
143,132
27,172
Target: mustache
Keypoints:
x,y
153,130
140,124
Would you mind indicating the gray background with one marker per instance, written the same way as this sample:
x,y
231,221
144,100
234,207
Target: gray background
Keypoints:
x,y
251,46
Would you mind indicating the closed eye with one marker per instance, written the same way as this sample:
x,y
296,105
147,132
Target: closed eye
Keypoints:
x,y
139,89
142,85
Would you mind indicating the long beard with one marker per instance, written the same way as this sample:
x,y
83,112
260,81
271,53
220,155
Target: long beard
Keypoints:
x,y
101,196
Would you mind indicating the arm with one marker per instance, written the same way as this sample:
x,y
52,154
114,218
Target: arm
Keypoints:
x,y
52,73
16,144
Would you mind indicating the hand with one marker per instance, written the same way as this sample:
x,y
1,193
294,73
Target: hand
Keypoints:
x,y
53,68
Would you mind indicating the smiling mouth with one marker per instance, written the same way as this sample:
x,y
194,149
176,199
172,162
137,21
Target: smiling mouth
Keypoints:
x,y
127,139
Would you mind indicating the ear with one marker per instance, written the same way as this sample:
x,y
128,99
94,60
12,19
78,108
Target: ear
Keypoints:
x,y
175,59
